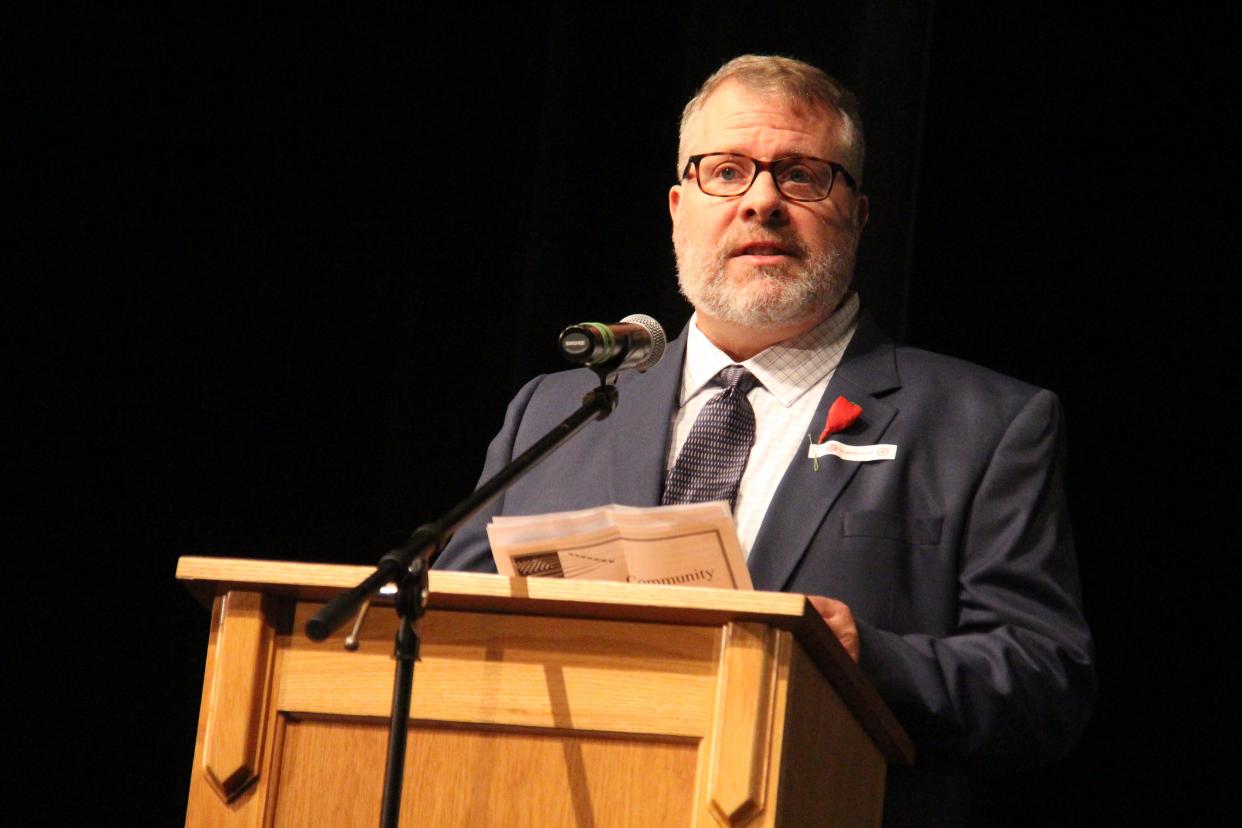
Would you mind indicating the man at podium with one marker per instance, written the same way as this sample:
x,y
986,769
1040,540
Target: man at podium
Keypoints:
x,y
918,499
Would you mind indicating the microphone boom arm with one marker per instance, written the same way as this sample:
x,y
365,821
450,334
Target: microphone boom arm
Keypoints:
x,y
425,543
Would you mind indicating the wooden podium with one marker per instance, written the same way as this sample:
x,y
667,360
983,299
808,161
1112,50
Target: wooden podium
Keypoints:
x,y
537,702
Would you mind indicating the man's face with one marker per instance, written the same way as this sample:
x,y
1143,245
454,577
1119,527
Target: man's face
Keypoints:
x,y
761,260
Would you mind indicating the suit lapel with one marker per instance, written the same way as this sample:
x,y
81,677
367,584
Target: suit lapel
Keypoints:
x,y
640,433
804,496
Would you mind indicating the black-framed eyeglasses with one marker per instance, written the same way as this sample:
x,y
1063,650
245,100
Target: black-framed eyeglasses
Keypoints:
x,y
797,177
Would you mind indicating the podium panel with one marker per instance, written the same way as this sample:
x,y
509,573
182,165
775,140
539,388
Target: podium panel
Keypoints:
x,y
453,777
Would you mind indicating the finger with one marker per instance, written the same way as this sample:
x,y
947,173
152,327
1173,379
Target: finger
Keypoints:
x,y
840,621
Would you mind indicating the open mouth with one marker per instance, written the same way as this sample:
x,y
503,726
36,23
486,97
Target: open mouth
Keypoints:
x,y
763,250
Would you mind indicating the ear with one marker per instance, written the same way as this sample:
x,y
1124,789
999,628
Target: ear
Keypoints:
x,y
674,199
862,211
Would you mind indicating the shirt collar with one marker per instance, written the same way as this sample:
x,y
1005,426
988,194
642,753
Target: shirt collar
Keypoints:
x,y
788,369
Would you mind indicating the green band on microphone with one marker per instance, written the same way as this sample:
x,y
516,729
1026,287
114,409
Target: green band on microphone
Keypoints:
x,y
605,332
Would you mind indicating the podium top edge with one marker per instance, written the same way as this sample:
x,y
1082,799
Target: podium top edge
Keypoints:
x,y
207,576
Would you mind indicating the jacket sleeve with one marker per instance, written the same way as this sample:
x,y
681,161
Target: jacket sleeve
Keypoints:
x,y
1014,683
469,550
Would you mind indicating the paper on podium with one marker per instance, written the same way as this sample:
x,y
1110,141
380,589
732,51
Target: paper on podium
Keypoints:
x,y
693,544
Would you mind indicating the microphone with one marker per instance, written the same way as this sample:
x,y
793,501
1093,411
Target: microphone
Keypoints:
x,y
637,341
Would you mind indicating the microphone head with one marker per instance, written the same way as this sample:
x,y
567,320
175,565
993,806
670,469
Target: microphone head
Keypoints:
x,y
658,340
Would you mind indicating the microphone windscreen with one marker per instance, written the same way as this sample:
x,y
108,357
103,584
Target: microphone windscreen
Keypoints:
x,y
658,340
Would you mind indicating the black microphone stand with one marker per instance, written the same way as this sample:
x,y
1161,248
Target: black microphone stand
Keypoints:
x,y
408,564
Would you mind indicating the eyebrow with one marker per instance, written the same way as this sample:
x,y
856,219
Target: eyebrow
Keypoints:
x,y
773,158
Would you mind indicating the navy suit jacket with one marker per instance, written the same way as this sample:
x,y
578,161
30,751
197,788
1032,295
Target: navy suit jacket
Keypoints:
x,y
956,557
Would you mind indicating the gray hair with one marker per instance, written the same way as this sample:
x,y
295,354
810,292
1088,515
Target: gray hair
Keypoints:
x,y
794,80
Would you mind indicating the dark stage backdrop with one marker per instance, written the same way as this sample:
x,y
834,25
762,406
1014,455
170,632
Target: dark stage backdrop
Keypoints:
x,y
280,273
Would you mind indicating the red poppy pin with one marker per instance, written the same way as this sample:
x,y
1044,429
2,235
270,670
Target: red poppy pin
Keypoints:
x,y
840,417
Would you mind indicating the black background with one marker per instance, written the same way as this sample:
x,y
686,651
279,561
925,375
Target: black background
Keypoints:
x,y
279,272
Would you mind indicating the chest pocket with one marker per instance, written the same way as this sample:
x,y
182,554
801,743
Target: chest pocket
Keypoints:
x,y
892,526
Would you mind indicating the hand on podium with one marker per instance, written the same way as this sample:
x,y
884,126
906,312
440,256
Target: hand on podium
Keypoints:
x,y
840,620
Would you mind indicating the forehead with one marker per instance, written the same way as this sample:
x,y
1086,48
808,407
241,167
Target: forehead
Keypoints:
x,y
764,124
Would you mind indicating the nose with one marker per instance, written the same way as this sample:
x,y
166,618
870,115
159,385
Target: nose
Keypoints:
x,y
763,202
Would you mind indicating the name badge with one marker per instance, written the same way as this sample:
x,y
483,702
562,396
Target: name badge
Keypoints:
x,y
854,454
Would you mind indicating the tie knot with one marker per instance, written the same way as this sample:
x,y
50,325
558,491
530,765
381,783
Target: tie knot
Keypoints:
x,y
737,378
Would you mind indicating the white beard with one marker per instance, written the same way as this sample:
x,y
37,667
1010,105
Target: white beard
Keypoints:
x,y
770,296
